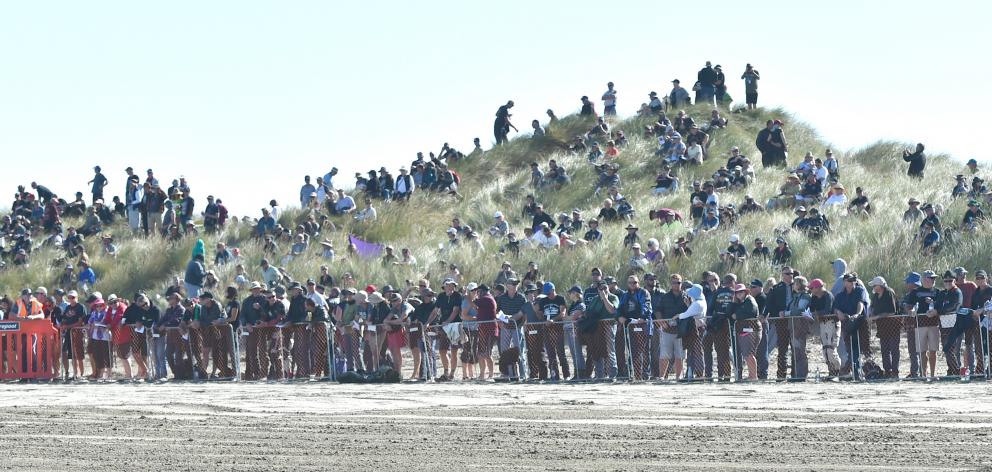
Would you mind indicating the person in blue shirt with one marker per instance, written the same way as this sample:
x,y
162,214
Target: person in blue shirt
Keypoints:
x,y
99,182
635,314
87,277
710,221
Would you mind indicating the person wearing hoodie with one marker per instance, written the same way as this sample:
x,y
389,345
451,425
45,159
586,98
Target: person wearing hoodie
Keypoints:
x,y
690,321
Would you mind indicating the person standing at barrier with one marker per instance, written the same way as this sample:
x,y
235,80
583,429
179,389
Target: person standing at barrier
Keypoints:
x,y
947,302
908,305
211,324
718,329
274,314
98,346
779,299
656,292
744,313
469,331
422,309
573,335
534,331
448,310
756,289
71,322
690,325
927,325
395,326
883,309
670,346
27,307
226,352
799,326
139,316
849,307
511,305
554,309
120,333
634,317
319,366
175,347
821,306
972,355
193,337
354,312
711,284
296,334
251,314
485,306
979,333
601,312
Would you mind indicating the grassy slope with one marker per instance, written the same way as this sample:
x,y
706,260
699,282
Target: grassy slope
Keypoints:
x,y
499,180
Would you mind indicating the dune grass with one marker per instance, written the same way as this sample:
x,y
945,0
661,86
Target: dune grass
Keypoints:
x,y
499,179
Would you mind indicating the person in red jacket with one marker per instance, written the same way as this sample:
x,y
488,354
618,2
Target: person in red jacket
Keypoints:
x,y
120,332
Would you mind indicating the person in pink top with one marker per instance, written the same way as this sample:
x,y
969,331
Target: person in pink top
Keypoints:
x,y
485,306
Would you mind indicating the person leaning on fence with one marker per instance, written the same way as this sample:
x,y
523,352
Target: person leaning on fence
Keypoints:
x,y
634,320
98,345
981,298
510,303
448,310
121,335
883,308
744,313
139,317
423,305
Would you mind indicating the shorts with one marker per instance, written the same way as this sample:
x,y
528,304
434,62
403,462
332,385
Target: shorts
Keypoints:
x,y
139,345
927,339
670,346
396,339
100,350
747,342
123,350
751,98
414,336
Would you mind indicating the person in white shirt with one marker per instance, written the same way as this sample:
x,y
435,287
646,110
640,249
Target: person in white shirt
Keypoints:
x,y
610,100
546,238
637,259
404,185
821,172
274,210
838,196
369,213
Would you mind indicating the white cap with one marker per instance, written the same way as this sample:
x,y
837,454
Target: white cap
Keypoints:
x,y
878,281
498,214
471,286
735,238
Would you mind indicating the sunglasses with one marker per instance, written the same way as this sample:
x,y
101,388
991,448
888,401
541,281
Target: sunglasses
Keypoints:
x,y
947,281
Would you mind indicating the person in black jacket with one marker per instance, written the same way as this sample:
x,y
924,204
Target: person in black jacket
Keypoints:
x,y
541,217
761,142
917,161
779,299
718,329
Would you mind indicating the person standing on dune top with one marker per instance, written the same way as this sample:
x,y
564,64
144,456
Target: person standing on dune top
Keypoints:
x,y
917,161
502,125
610,100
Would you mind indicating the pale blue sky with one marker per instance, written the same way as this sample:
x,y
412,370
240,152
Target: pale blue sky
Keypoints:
x,y
245,97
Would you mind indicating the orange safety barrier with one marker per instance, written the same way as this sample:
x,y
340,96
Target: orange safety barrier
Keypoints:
x,y
30,350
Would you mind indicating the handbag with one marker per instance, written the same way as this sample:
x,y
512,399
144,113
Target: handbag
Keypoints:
x,y
686,326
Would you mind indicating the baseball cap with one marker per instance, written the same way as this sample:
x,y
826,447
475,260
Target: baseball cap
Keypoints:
x,y
816,283
930,274
878,281
981,274
959,271
740,288
575,289
548,287
913,278
757,283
